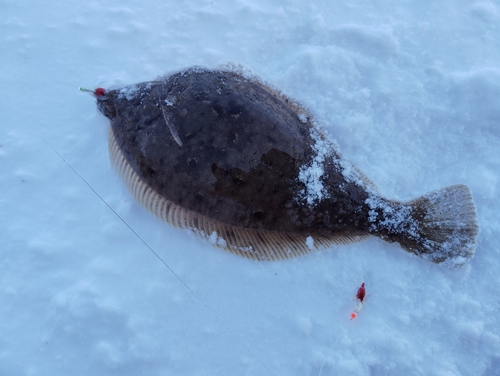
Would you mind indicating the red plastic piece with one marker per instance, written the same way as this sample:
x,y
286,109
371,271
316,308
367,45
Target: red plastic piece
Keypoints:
x,y
99,92
361,293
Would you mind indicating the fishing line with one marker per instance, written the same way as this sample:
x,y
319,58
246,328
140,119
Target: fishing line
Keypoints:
x,y
161,260
328,352
361,297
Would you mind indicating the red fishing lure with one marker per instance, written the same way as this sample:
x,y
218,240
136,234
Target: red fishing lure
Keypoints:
x,y
360,295
99,92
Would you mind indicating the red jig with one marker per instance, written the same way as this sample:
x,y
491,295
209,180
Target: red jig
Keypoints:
x,y
99,92
361,293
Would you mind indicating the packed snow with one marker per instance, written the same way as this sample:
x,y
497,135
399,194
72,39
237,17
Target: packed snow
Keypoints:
x,y
313,173
91,283
129,92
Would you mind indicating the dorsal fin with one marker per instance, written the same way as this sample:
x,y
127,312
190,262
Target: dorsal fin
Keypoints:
x,y
249,243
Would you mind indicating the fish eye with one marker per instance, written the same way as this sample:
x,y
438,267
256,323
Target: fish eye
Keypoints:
x,y
110,111
106,108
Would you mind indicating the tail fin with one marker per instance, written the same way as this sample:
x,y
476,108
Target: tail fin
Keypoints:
x,y
447,226
440,226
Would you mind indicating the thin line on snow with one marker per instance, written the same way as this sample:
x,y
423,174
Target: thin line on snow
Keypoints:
x,y
162,261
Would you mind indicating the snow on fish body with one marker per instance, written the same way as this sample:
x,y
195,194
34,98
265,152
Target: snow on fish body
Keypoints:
x,y
242,165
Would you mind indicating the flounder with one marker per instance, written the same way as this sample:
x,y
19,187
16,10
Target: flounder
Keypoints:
x,y
235,161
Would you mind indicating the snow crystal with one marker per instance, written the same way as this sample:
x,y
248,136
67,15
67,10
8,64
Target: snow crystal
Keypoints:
x,y
302,118
170,100
193,70
221,242
215,239
245,249
394,218
128,92
310,242
311,174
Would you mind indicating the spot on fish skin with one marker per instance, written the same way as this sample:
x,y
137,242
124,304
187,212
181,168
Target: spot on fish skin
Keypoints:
x,y
217,109
258,214
234,109
192,163
147,171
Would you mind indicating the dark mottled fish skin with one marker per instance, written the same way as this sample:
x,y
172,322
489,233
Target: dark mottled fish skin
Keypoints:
x,y
241,152
229,148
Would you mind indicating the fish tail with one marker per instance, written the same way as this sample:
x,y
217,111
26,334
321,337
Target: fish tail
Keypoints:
x,y
440,226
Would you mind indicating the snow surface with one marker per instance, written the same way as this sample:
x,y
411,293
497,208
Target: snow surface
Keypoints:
x,y
409,90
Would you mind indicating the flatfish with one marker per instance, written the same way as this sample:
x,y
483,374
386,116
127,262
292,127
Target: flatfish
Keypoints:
x,y
225,155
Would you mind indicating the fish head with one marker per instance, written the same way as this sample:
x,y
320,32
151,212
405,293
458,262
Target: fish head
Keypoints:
x,y
106,105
